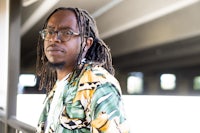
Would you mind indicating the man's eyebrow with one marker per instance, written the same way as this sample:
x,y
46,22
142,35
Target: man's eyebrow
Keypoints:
x,y
50,27
65,28
61,28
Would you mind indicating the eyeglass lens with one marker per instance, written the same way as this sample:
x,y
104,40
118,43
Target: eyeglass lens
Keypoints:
x,y
63,35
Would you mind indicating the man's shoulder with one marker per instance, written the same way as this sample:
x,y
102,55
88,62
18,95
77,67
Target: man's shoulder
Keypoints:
x,y
96,75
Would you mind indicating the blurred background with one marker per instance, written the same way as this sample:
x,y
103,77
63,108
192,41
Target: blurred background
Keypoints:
x,y
155,45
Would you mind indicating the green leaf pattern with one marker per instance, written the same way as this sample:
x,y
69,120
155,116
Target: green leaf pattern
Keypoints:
x,y
91,104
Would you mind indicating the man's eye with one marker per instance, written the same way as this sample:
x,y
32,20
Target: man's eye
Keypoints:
x,y
67,32
50,32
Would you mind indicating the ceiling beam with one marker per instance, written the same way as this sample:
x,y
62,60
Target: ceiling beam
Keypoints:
x,y
26,3
37,15
105,8
148,17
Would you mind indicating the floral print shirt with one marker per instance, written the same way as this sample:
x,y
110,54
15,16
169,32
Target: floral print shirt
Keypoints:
x,y
90,104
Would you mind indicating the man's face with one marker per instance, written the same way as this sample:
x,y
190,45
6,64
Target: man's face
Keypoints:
x,y
58,51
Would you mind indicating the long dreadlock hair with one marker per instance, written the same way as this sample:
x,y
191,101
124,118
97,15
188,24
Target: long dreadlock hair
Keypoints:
x,y
98,52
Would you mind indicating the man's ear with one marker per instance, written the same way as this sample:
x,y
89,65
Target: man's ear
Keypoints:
x,y
88,44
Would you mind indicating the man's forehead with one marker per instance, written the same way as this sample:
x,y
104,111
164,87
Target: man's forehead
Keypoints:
x,y
63,19
63,14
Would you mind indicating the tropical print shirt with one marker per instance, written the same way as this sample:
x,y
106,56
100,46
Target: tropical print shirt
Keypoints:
x,y
90,104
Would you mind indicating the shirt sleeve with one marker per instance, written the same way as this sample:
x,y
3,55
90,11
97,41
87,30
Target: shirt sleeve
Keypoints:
x,y
107,110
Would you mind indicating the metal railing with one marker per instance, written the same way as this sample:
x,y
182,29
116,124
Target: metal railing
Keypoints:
x,y
12,125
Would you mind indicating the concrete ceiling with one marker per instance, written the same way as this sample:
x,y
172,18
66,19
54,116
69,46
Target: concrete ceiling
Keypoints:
x,y
131,28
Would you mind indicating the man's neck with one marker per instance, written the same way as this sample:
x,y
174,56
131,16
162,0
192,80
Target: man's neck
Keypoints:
x,y
62,73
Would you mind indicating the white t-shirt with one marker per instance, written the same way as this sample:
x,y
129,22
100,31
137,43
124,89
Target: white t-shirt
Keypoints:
x,y
54,111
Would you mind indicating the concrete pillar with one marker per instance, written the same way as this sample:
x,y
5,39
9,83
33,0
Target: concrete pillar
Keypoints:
x,y
9,59
4,37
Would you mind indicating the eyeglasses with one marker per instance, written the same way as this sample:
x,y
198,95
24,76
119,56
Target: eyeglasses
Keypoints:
x,y
63,35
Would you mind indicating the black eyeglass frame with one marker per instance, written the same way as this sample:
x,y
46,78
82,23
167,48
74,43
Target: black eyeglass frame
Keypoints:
x,y
67,32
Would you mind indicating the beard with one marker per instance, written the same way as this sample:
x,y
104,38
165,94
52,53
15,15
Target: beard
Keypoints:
x,y
59,65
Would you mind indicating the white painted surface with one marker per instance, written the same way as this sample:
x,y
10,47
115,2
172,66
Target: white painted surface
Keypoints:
x,y
146,114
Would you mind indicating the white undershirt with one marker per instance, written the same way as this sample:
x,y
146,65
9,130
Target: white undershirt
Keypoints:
x,y
54,111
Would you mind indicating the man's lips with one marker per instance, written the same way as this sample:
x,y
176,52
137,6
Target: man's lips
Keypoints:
x,y
54,49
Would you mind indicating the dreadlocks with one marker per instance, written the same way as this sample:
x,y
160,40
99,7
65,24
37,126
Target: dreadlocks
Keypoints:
x,y
98,53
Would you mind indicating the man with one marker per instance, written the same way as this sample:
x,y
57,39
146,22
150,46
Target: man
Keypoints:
x,y
75,68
